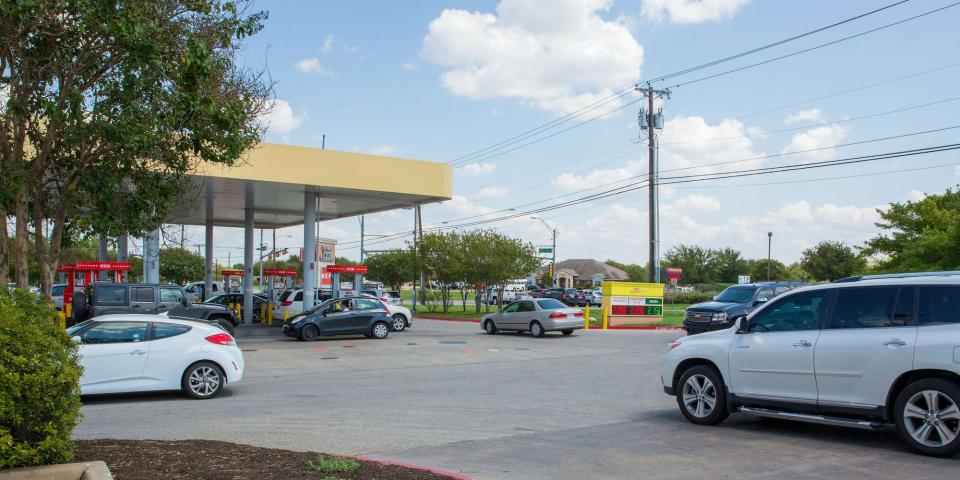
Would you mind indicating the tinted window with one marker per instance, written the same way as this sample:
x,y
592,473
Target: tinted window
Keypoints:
x,y
58,290
284,295
115,332
111,295
511,308
142,294
865,308
765,293
795,312
213,287
298,297
171,295
737,295
525,307
939,305
779,290
167,330
367,304
393,294
551,304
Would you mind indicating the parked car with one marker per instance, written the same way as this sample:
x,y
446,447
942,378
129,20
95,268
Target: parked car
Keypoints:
x,y
596,296
292,301
345,316
734,301
583,298
139,353
535,316
228,299
400,317
392,297
566,295
865,352
196,291
106,298
491,295
56,293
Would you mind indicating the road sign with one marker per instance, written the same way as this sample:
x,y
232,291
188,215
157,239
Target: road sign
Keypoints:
x,y
545,250
743,279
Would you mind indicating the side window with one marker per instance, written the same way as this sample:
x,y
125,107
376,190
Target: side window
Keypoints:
x,y
214,288
367,304
298,297
142,294
939,305
111,295
171,295
765,293
795,312
525,307
777,291
511,308
904,312
115,332
864,307
167,330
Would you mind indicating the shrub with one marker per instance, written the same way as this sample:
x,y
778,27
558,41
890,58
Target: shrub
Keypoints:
x,y
332,464
39,384
688,297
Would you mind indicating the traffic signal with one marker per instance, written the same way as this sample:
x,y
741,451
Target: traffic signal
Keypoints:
x,y
550,269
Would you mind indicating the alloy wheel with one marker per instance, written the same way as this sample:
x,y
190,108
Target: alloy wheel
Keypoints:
x,y
399,323
381,330
204,381
699,395
932,418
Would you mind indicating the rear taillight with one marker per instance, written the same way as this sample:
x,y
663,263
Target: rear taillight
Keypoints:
x,y
221,339
286,303
578,314
558,315
563,296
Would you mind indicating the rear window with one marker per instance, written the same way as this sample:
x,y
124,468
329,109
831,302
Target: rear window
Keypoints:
x,y
939,305
737,295
550,304
57,290
393,294
111,295
167,330
284,295
298,297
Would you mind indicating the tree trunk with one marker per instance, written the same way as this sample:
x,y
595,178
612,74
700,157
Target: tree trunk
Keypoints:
x,y
4,251
21,247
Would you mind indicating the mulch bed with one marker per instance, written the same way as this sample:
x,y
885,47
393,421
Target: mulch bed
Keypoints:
x,y
212,460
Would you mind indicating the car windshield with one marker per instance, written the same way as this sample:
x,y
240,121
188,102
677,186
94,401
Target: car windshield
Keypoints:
x,y
736,295
57,290
550,304
76,328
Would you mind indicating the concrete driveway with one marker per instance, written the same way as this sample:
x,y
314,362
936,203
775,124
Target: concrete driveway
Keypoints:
x,y
509,406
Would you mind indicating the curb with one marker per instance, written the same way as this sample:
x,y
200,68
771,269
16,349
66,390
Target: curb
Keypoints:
x,y
455,476
592,328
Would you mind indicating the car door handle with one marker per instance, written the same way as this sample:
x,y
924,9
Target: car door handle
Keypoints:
x,y
803,343
137,352
896,342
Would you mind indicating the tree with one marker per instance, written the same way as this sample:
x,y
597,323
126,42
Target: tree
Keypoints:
x,y
828,261
726,264
694,260
180,266
918,236
441,261
344,261
509,259
110,105
635,273
393,268
758,270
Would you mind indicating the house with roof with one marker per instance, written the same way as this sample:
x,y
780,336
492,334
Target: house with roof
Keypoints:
x,y
586,272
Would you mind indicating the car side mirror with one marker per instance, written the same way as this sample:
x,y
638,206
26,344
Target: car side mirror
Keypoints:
x,y
742,325
76,339
715,297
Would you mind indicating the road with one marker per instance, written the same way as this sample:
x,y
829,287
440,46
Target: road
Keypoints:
x,y
508,406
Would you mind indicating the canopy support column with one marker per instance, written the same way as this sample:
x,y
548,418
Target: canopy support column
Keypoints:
x,y
309,249
248,256
208,251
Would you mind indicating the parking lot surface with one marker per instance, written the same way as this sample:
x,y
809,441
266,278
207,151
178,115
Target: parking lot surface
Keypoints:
x,y
508,406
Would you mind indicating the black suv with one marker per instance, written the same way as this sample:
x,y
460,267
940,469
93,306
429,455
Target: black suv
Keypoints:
x,y
105,298
566,295
735,301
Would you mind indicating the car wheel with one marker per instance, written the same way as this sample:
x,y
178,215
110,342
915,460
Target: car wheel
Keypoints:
x,y
927,414
203,380
567,331
702,396
380,330
309,333
490,327
536,329
399,323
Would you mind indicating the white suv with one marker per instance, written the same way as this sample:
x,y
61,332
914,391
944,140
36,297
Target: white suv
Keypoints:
x,y
863,352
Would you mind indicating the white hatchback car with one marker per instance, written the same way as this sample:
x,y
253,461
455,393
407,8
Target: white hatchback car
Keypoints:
x,y
864,352
138,353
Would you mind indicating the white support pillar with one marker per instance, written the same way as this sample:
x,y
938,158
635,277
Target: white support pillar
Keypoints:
x,y
208,250
309,249
122,254
248,256
151,257
102,256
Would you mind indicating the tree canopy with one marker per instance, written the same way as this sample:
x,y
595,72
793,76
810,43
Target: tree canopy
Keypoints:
x,y
919,236
828,261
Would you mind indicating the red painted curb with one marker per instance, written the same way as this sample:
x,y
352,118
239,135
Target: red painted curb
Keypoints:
x,y
455,476
592,328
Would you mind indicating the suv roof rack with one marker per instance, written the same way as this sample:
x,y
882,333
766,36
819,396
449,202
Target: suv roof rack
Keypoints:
x,y
897,275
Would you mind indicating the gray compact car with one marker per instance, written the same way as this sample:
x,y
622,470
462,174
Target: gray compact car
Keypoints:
x,y
537,316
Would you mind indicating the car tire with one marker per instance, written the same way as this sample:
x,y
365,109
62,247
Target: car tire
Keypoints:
x,y
380,330
490,327
309,333
203,380
921,424
536,329
399,323
567,332
698,387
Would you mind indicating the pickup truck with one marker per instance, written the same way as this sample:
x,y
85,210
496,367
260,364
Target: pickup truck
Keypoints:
x,y
105,298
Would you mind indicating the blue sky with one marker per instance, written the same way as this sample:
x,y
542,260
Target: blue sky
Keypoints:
x,y
436,80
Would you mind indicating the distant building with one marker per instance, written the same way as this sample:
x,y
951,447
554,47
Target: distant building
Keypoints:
x,y
585,272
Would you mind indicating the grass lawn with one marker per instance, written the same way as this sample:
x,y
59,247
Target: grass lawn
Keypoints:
x,y
406,295
672,314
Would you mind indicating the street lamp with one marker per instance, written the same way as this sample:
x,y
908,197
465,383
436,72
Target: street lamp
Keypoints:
x,y
769,246
553,250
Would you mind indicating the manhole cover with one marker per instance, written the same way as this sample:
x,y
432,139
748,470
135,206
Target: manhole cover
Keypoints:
x,y
411,343
451,342
329,358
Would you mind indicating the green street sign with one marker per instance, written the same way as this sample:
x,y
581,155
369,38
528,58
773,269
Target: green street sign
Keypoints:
x,y
654,301
545,250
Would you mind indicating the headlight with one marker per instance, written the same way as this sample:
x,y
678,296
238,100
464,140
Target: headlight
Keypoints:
x,y
720,317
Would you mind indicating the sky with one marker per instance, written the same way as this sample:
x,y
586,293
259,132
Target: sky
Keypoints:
x,y
435,81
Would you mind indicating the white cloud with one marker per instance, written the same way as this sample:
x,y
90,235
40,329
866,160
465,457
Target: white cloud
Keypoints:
x,y
690,11
383,150
282,120
697,203
327,44
915,195
410,67
808,115
312,65
557,55
492,192
956,172
477,169
571,181
824,138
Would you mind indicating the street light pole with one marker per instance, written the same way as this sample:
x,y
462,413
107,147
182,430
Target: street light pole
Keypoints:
x,y
553,231
769,247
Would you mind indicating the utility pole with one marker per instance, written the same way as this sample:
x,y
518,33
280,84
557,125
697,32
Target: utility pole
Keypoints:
x,y
416,261
419,232
650,121
361,239
769,249
183,237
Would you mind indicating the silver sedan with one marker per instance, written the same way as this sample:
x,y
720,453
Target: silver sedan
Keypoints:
x,y
537,316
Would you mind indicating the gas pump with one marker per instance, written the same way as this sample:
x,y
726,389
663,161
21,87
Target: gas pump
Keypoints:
x,y
286,281
336,270
228,288
88,271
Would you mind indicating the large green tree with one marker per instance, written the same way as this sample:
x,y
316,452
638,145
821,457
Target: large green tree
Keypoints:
x,y
758,270
919,236
179,265
393,267
726,264
828,261
694,260
110,105
635,273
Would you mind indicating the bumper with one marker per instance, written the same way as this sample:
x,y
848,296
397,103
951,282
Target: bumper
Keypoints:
x,y
553,324
701,327
290,330
669,390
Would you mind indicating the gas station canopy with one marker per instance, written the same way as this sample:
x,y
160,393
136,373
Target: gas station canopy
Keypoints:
x,y
278,176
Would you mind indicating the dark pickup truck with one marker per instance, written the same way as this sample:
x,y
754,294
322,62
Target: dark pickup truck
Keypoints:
x,y
105,298
735,301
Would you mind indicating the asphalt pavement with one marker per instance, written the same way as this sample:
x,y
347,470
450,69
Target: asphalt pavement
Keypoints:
x,y
508,406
